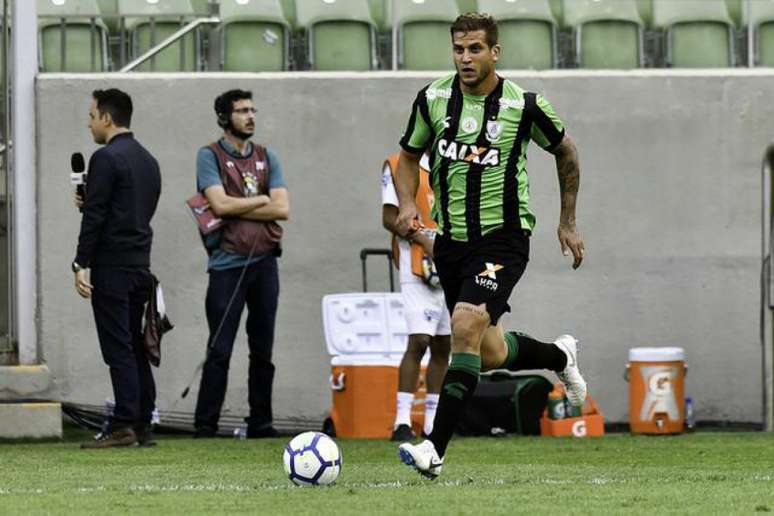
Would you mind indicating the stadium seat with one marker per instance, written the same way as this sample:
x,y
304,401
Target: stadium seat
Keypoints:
x,y
699,33
762,22
420,33
608,33
468,6
340,34
254,36
735,11
556,9
80,45
378,13
527,31
149,22
645,8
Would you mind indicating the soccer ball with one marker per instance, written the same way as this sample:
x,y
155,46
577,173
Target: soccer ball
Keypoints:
x,y
429,273
312,459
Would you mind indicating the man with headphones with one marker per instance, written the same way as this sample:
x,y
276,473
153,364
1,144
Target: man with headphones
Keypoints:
x,y
244,185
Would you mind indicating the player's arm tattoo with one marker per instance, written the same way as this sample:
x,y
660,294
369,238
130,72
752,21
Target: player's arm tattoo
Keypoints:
x,y
568,171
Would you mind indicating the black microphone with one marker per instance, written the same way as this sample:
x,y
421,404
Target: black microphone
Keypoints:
x,y
77,177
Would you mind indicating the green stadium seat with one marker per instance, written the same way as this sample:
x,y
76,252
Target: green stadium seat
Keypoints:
x,y
608,33
557,10
699,33
341,35
762,16
289,9
378,13
254,36
85,46
149,22
527,30
420,33
201,7
470,6
735,11
109,8
645,8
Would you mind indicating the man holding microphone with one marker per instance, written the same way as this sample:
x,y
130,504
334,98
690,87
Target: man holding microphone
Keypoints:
x,y
122,192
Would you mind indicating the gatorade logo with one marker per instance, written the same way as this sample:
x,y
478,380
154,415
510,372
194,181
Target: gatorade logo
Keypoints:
x,y
660,396
469,153
579,428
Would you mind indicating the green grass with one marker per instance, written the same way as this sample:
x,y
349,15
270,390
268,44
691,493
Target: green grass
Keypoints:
x,y
697,473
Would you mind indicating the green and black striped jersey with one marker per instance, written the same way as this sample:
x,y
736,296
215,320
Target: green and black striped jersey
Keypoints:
x,y
478,154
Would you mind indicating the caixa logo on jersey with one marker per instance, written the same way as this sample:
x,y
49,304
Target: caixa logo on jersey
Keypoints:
x,y
469,153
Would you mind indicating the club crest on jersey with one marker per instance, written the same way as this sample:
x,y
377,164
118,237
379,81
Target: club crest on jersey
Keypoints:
x,y
494,128
471,153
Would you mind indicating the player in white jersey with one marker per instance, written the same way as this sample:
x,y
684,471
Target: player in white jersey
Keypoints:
x,y
427,317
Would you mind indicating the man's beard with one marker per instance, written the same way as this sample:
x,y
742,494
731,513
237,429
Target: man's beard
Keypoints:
x,y
240,134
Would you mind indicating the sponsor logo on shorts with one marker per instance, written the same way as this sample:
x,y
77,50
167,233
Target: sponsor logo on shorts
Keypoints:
x,y
486,279
491,269
471,153
431,315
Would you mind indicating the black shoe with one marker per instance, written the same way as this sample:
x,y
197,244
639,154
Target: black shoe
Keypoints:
x,y
145,437
205,432
261,433
403,433
123,437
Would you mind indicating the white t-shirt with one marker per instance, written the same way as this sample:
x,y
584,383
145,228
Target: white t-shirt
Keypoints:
x,y
390,196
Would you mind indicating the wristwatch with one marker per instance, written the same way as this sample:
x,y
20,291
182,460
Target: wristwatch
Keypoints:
x,y
76,268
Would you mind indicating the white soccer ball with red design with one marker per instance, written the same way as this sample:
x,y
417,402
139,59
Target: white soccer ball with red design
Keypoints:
x,y
312,459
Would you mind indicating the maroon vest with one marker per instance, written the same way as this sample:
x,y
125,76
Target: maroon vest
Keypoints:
x,y
246,177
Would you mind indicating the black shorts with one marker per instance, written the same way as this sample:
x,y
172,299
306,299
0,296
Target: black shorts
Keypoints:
x,y
484,271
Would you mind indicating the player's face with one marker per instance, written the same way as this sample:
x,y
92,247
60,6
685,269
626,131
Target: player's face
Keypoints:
x,y
98,123
243,117
473,58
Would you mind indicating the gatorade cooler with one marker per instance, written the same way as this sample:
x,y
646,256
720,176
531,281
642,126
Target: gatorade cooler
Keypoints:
x,y
656,390
366,335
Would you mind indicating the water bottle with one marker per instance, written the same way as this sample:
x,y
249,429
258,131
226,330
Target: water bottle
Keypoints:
x,y
571,410
556,404
690,418
240,433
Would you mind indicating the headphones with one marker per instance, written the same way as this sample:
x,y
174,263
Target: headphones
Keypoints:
x,y
223,112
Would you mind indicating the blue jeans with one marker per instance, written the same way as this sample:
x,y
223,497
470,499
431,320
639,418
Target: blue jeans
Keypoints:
x,y
118,299
259,290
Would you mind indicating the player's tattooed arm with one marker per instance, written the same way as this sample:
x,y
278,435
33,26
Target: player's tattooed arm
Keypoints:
x,y
568,172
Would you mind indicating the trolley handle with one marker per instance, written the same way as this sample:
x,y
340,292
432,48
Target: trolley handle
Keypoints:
x,y
365,253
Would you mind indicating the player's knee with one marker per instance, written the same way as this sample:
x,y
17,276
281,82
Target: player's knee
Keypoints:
x,y
468,325
417,345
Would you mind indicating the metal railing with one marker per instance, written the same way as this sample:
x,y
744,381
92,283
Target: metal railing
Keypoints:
x,y
100,42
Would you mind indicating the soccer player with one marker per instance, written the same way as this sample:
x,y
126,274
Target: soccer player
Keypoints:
x,y
477,126
427,318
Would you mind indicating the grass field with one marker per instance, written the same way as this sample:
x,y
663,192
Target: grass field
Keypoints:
x,y
697,473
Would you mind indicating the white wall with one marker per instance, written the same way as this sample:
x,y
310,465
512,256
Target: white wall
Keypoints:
x,y
669,209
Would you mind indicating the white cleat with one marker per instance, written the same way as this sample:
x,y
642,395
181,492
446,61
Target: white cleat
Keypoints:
x,y
574,384
422,457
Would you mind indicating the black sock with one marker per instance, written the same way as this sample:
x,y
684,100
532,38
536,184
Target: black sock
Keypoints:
x,y
524,352
458,386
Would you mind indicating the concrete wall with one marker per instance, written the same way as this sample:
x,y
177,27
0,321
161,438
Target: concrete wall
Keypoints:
x,y
669,209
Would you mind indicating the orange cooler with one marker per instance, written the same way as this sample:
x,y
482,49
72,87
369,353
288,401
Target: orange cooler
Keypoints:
x,y
363,393
656,390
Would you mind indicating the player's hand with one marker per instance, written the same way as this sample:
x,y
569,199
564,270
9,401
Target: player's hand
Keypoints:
x,y
571,242
82,285
77,200
407,222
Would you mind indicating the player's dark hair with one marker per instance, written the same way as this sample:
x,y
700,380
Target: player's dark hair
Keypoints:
x,y
224,105
115,102
470,22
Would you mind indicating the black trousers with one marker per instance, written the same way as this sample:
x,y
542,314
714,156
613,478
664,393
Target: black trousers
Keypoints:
x,y
118,300
259,290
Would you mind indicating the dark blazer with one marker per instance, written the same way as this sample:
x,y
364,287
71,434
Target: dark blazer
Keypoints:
x,y
122,191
